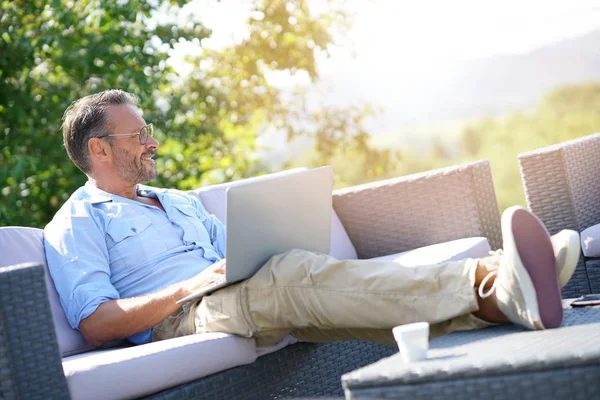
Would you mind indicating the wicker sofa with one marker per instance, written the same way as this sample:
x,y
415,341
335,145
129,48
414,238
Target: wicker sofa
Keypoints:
x,y
562,187
380,219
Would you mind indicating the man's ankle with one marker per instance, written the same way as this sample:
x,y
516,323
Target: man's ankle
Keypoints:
x,y
483,269
489,310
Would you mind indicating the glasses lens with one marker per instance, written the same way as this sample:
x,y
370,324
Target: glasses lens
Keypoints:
x,y
144,135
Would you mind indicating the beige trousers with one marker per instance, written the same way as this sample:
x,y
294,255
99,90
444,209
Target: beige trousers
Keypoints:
x,y
317,298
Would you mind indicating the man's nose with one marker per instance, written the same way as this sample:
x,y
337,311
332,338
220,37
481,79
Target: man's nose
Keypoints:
x,y
152,142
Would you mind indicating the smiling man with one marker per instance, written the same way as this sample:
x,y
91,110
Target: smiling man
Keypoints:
x,y
122,254
114,241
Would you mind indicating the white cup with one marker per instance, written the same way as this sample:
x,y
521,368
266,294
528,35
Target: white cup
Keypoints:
x,y
413,340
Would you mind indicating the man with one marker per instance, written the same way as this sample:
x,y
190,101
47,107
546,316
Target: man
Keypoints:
x,y
121,255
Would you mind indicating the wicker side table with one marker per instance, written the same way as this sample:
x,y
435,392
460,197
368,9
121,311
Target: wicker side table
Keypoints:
x,y
502,362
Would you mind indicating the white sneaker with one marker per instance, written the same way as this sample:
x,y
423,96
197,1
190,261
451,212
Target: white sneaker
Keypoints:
x,y
526,285
567,248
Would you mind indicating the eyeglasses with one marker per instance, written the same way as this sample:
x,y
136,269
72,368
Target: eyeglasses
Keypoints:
x,y
144,133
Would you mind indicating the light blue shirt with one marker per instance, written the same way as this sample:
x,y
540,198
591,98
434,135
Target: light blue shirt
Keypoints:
x,y
102,247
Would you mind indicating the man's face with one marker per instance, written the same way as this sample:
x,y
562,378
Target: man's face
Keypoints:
x,y
132,161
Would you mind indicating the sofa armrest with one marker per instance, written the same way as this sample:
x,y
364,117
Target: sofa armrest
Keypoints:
x,y
562,187
562,183
404,213
30,363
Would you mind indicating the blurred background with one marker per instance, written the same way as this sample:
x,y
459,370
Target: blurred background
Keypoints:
x,y
239,88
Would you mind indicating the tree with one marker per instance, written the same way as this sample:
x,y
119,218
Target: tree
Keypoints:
x,y
54,52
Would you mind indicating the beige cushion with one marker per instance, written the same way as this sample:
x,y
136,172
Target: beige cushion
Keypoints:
x,y
140,370
474,247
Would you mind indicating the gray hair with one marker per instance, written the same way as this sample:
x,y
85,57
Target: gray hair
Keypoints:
x,y
85,119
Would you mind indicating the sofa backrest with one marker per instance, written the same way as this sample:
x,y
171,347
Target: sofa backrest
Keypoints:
x,y
20,245
214,199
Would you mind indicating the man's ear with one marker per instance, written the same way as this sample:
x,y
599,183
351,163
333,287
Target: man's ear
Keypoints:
x,y
99,149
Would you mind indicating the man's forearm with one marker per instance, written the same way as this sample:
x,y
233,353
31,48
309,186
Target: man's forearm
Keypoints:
x,y
118,319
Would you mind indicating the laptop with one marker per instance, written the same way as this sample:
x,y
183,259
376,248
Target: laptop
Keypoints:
x,y
271,216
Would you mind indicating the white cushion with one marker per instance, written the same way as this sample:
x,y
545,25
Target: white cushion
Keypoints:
x,y
214,199
474,247
286,341
20,245
341,245
590,241
140,370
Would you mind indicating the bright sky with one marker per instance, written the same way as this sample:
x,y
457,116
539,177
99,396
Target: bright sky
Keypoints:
x,y
467,29
423,34
455,30
401,46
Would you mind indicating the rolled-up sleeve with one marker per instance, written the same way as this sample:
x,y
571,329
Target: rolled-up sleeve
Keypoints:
x,y
78,262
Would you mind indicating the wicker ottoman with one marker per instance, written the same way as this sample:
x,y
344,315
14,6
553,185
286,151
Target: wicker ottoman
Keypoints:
x,y
502,362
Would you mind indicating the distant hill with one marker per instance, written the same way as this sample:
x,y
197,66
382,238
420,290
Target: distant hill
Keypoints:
x,y
502,84
439,108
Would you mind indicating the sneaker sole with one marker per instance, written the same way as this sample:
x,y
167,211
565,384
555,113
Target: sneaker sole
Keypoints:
x,y
538,277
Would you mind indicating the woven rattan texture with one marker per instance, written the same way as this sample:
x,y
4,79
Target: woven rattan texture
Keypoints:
x,y
404,213
31,366
496,355
562,187
486,203
579,283
583,175
547,190
573,384
496,350
593,269
572,317
562,183
300,370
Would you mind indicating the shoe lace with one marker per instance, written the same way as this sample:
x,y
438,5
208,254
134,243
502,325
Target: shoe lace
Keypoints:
x,y
492,273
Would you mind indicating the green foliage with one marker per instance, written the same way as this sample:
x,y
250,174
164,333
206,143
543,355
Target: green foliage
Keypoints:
x,y
54,52
565,113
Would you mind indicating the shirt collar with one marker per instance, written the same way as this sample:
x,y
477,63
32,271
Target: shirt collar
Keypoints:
x,y
100,196
149,191
96,195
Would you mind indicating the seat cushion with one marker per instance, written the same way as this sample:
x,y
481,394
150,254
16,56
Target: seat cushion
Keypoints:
x,y
590,241
214,199
474,247
140,370
21,245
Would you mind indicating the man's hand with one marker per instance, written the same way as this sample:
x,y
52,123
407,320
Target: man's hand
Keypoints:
x,y
204,278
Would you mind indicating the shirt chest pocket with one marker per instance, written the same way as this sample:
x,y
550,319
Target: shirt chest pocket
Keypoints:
x,y
192,221
128,228
133,240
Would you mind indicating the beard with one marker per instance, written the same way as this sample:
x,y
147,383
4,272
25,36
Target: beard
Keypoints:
x,y
133,169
